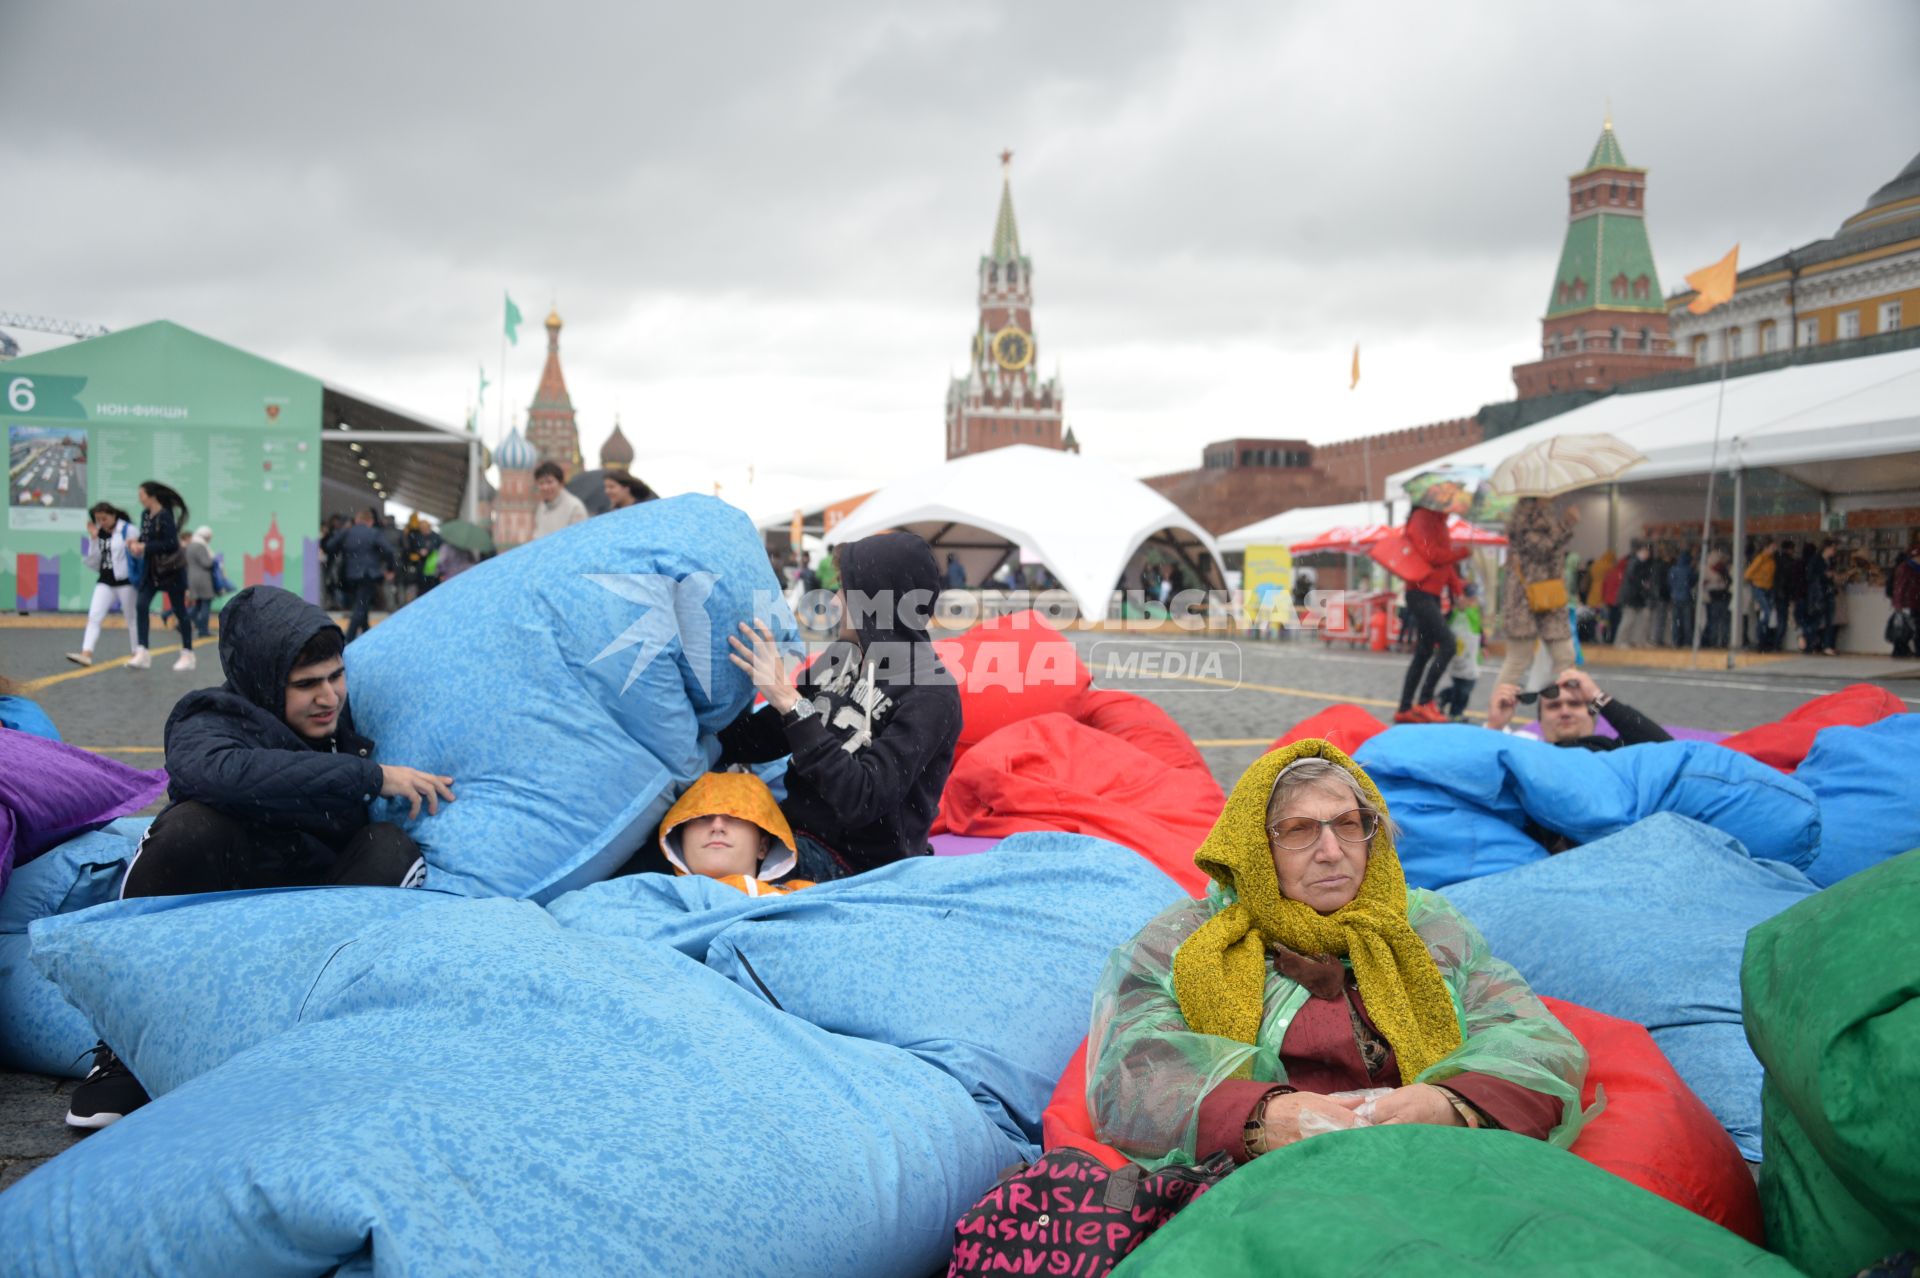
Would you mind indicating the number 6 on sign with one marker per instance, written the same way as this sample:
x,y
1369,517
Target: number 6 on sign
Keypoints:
x,y
20,395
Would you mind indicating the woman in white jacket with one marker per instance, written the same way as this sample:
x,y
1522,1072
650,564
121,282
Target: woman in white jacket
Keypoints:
x,y
108,555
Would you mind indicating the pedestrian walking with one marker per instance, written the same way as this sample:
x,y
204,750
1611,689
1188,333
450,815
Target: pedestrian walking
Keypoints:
x,y
1533,601
1610,596
366,558
163,570
1427,536
107,555
201,588
1660,633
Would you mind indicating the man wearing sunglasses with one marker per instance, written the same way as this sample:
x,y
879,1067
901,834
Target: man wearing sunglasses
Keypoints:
x,y
1569,712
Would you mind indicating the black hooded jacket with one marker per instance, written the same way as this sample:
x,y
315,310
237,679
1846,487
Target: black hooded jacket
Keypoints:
x,y
869,767
230,747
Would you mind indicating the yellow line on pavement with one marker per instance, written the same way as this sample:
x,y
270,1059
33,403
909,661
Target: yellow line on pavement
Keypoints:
x,y
47,681
125,749
1280,691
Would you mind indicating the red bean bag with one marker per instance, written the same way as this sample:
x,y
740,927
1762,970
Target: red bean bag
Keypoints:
x,y
1346,727
1653,1132
1785,742
1117,768
1009,669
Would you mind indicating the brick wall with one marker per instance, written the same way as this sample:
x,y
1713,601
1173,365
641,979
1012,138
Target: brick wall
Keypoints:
x,y
1347,464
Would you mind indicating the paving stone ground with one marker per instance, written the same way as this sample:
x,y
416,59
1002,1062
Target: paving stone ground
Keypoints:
x,y
121,713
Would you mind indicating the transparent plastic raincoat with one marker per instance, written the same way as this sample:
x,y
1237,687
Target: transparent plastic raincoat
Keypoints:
x,y
1147,1072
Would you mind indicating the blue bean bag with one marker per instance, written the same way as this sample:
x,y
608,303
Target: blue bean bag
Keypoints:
x,y
1863,779
570,687
995,994
1648,925
467,1086
1463,796
39,1030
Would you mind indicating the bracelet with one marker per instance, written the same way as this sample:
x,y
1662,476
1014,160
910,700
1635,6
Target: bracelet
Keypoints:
x,y
1253,1133
1469,1116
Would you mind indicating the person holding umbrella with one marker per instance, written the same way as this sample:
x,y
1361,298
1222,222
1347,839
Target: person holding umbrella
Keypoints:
x,y
1533,602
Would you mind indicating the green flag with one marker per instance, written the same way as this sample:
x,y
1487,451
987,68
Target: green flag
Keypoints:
x,y
484,383
513,320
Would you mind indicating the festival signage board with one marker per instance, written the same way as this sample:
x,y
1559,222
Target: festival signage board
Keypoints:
x,y
1266,583
236,435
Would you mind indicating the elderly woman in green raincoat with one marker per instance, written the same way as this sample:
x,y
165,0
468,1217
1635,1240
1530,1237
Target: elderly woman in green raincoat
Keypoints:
x,y
1309,969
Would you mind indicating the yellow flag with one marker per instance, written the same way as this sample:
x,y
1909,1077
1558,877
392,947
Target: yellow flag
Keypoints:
x,y
1715,284
1356,367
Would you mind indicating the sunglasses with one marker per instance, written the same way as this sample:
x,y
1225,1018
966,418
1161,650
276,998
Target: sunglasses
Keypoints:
x,y
1552,691
1296,834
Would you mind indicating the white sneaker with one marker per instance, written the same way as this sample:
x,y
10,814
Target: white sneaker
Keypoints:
x,y
80,658
140,660
187,660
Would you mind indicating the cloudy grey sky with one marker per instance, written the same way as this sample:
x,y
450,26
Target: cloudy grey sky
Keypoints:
x,y
761,220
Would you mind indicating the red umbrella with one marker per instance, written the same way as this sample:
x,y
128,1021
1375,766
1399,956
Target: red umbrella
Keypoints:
x,y
1357,539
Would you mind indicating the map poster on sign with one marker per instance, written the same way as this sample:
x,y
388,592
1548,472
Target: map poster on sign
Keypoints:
x,y
237,436
1267,585
47,478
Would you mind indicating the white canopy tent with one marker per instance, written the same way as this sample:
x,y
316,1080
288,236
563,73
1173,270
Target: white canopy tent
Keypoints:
x,y
1298,524
1846,428
1081,517
1843,426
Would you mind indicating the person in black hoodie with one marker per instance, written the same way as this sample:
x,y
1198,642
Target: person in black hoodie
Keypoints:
x,y
270,786
269,781
872,725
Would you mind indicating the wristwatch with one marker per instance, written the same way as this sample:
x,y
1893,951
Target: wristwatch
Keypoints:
x,y
801,709
1600,702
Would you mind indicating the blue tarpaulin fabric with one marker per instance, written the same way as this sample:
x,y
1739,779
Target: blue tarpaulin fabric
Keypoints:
x,y
445,1085
1648,925
1463,796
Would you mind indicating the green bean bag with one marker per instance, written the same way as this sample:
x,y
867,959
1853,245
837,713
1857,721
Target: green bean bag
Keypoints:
x,y
1436,1200
1831,989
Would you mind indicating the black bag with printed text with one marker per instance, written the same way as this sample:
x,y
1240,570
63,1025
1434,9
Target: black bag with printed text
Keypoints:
x,y
1070,1214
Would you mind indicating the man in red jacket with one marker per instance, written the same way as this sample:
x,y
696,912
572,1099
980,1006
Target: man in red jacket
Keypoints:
x,y
1426,533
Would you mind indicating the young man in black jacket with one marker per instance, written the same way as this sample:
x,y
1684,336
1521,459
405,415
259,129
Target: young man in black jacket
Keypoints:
x,y
872,726
270,783
270,786
1567,714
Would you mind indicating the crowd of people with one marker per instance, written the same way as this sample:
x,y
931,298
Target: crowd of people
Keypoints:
x,y
1796,596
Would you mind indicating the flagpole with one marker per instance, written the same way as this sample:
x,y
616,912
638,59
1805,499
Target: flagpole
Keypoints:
x,y
1706,528
503,386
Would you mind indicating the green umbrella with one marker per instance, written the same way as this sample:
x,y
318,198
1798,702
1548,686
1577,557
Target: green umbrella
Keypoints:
x,y
470,537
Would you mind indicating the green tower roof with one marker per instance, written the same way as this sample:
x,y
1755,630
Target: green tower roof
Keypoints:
x,y
1602,248
1606,152
1006,235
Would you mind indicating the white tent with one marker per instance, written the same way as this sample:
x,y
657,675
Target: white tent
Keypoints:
x,y
1290,526
1843,426
1082,518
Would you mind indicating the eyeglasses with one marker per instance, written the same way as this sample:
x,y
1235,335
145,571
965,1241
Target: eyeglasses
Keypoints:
x,y
1552,691
1296,834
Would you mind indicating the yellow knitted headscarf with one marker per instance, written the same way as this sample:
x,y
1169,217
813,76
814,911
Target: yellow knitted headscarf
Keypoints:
x,y
1219,973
